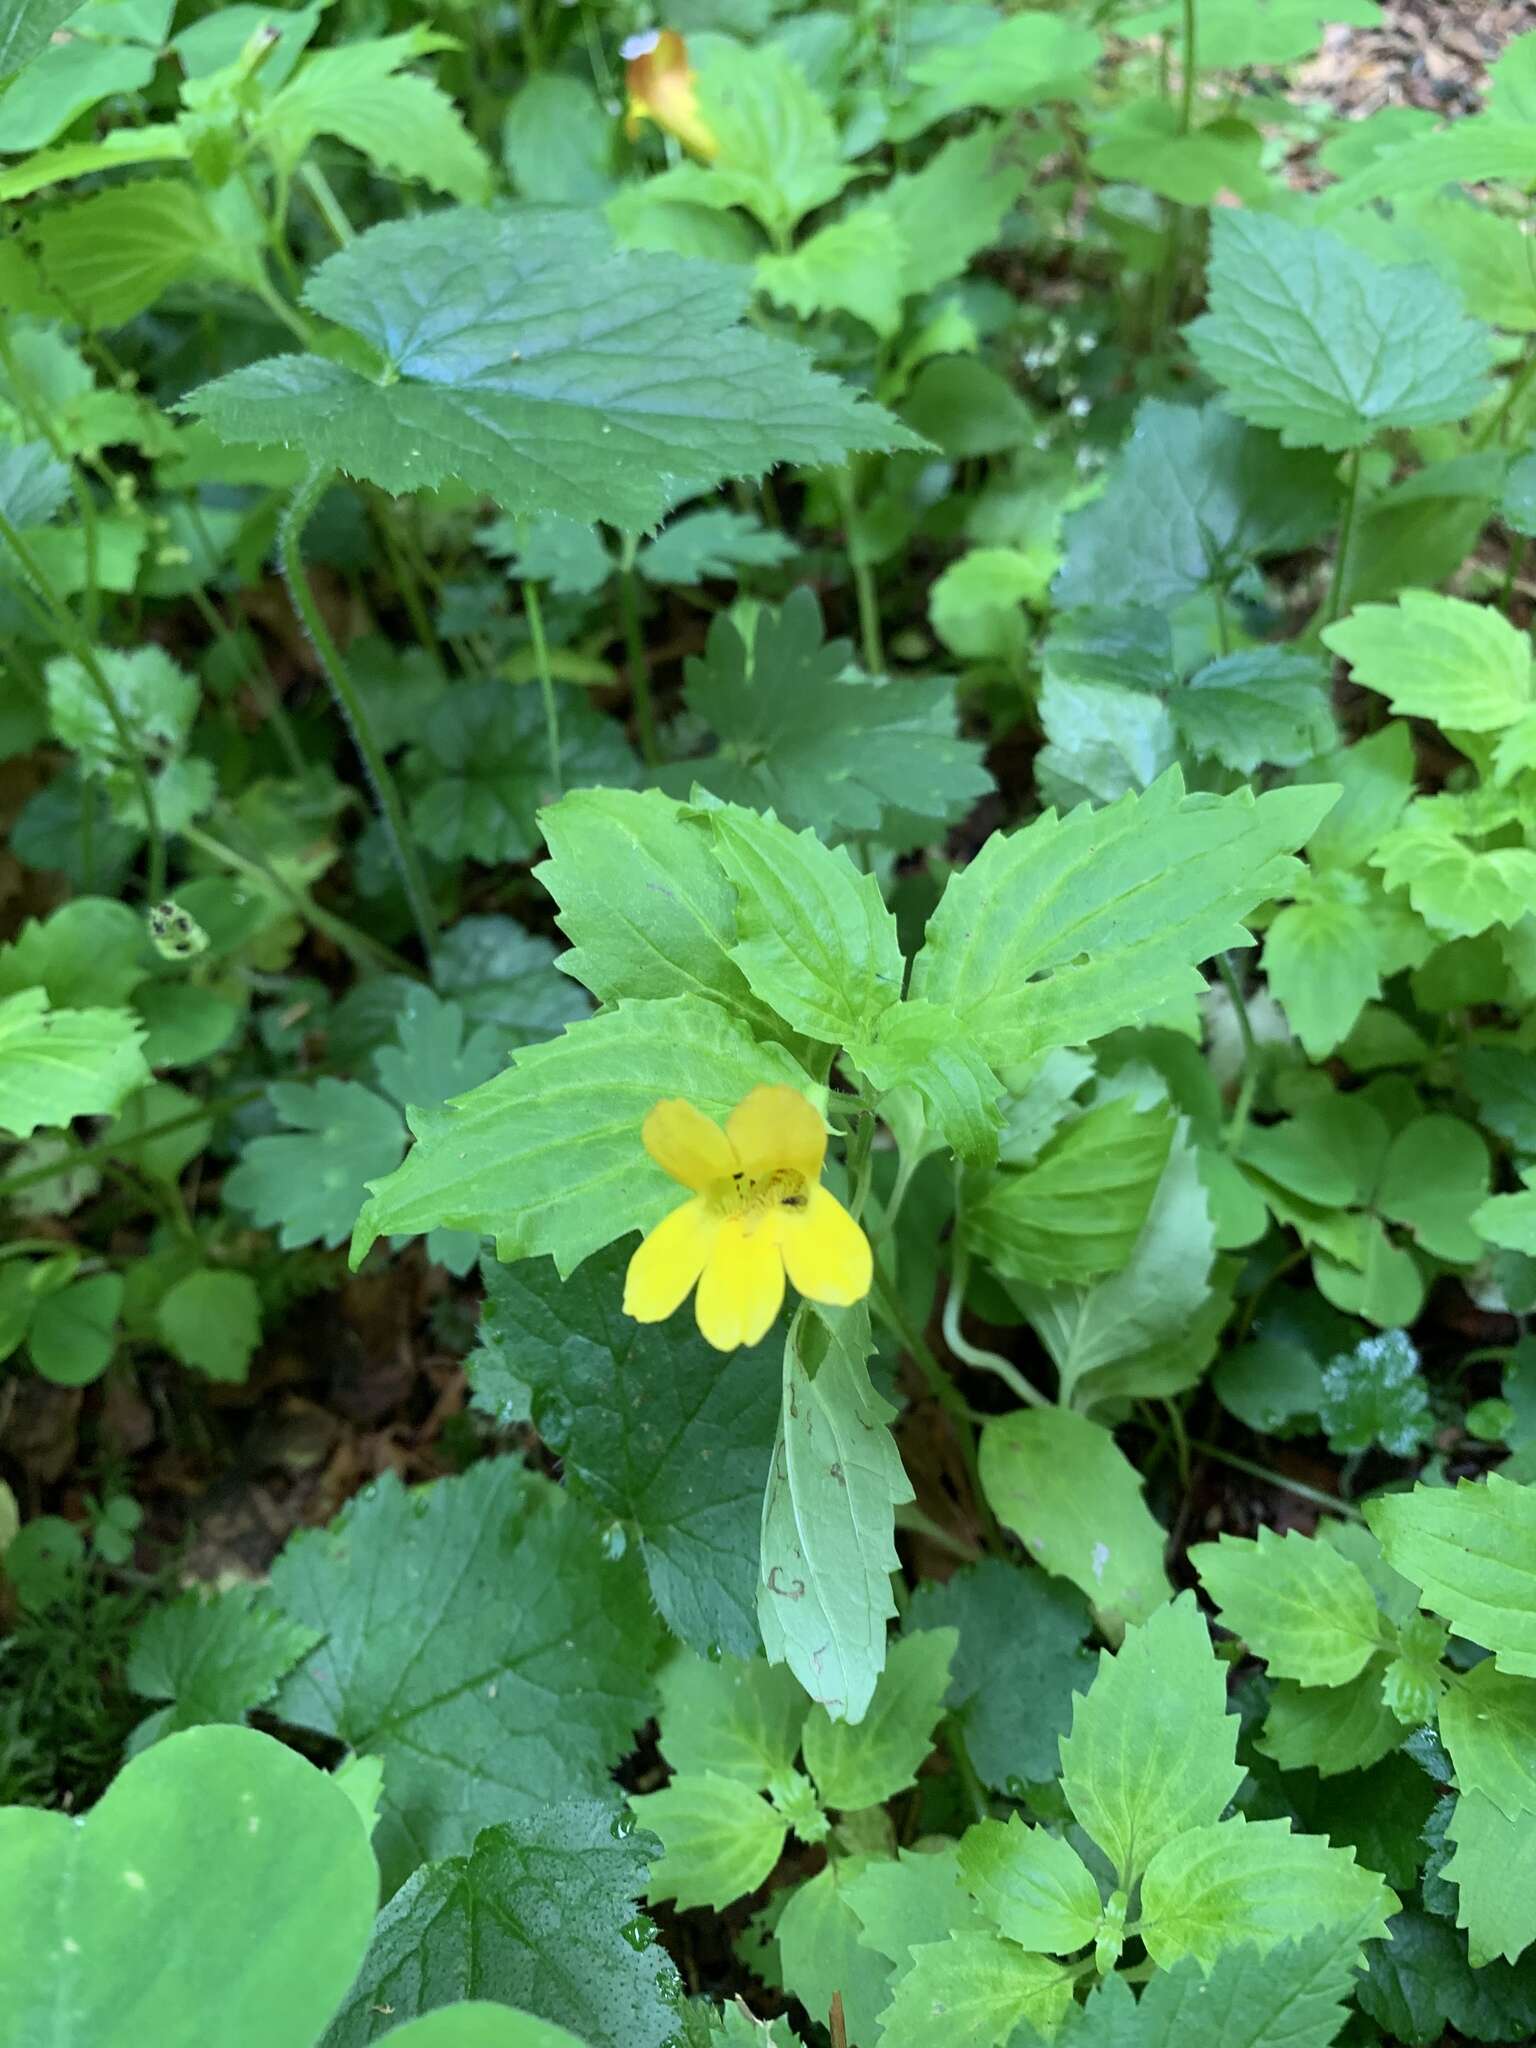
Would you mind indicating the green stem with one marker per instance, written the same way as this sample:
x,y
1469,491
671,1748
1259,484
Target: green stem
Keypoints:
x,y
318,186
1511,574
353,707
1190,56
1514,391
639,672
888,1305
535,613
865,593
860,1162
85,654
406,580
973,1354
367,953
1250,1081
116,1148
1337,582
256,680
1318,1499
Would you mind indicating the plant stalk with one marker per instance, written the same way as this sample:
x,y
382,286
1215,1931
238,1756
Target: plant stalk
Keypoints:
x,y
535,611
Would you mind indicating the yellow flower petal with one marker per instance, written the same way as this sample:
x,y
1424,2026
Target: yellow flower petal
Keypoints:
x,y
826,1252
741,1289
669,1259
776,1127
684,1143
660,83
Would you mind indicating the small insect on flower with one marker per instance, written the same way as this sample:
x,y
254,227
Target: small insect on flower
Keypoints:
x,y
660,85
759,1211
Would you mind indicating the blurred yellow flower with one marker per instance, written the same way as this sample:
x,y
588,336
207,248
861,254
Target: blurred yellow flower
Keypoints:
x,y
660,83
758,1211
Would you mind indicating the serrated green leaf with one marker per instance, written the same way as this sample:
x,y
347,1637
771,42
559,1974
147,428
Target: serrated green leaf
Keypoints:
x,y
1078,1211
1494,1872
536,1916
567,554
951,208
1012,62
433,1056
500,974
1101,741
478,1640
714,542
903,1903
733,1719
1462,665
865,1763
526,358
1419,1981
547,1155
720,1840
1033,1885
157,700
1262,705
1472,1550
1253,1881
663,1435
1309,336
1063,1486
1330,1729
1488,1723
853,265
309,1181
213,1657
777,151
923,1046
1151,1755
822,1952
1306,1610
1293,1996
59,1064
800,736
1020,1660
1193,496
1376,1394
828,1532
975,1991
211,1320
1075,926
814,939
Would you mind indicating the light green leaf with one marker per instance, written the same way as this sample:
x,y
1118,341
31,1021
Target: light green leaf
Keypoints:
x,y
1216,1887
720,1840
112,255
67,79
1147,142
1309,336
478,1640
213,1656
1033,1884
573,378
1510,1220
1301,1606
1063,1486
1494,1872
1102,741
952,208
59,1064
714,542
643,900
822,1950
127,1924
1320,963
828,1541
1236,36
1152,1749
853,265
557,141
402,124
474,2024
778,154
903,1903
1330,1729
975,1991
923,1046
731,1719
1023,58
1472,1550
308,1182
1078,1211
1076,926
211,1321
1434,1178
88,951
539,1914
157,700
1462,665
567,554
547,1155
814,939
865,1763
1488,1723
1292,1997
1262,705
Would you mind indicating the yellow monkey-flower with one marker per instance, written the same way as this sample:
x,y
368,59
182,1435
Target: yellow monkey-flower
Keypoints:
x,y
758,1211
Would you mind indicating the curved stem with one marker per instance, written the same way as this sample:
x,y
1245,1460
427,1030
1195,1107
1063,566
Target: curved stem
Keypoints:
x,y
535,613
350,703
371,954
1255,1471
973,1354
81,648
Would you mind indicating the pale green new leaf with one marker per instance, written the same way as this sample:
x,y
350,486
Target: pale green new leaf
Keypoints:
x,y
822,1951
1331,1729
720,1840
953,207
1320,963
111,255
478,1640
59,1064
975,1991
1031,1883
730,1718
923,1046
712,542
853,265
859,1764
1078,1211
1464,666
1307,335
814,939
1076,926
1297,1603
547,1155
1064,1487
1293,1996
522,356
777,148
828,1543
1472,1549
1253,1881
1152,1751
1494,1871
1488,1724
